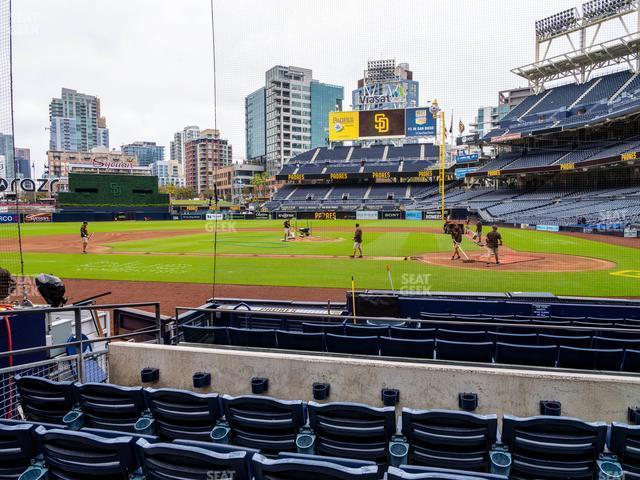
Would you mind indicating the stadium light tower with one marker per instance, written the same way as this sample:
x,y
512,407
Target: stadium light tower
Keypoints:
x,y
438,113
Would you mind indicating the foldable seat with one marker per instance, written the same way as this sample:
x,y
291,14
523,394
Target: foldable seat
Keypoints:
x,y
352,430
335,328
449,439
608,343
514,338
209,335
590,358
17,448
110,407
72,455
631,361
553,447
400,347
43,400
462,336
602,321
182,413
617,334
313,342
352,345
414,472
534,355
263,423
193,460
561,340
465,351
625,443
366,330
302,467
252,337
413,333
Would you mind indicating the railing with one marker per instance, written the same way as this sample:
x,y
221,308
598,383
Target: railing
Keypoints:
x,y
79,362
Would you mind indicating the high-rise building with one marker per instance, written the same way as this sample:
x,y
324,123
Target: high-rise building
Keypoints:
x,y
202,156
176,146
288,115
489,118
168,173
147,152
75,123
23,161
386,85
7,165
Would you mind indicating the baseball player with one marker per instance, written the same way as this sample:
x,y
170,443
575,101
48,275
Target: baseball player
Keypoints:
x,y
456,236
84,235
357,241
287,230
494,241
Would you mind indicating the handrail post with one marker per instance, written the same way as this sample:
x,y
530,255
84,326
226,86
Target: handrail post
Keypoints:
x,y
159,332
77,315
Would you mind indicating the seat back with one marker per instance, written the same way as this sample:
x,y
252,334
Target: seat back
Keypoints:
x,y
303,467
209,335
252,337
352,430
110,407
193,460
514,338
553,447
462,336
590,358
43,400
413,333
625,443
400,347
631,361
264,423
465,351
78,455
313,342
335,328
449,439
414,472
352,345
535,355
182,413
581,341
17,448
366,330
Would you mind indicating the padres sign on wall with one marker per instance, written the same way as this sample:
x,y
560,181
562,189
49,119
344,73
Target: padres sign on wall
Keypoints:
x,y
397,122
343,126
382,123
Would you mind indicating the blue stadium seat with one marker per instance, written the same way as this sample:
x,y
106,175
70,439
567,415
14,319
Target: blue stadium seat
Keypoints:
x,y
313,342
253,337
414,472
110,407
264,423
193,460
590,358
303,467
562,340
72,455
462,336
465,351
183,414
366,331
449,439
17,448
352,345
534,355
605,343
209,335
335,328
402,347
631,361
553,447
43,400
514,338
625,443
413,333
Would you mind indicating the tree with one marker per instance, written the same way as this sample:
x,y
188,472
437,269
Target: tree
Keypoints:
x,y
185,193
260,181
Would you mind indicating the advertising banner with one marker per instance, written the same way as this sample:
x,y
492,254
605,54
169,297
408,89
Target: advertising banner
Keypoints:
x,y
467,157
419,122
343,126
37,218
413,215
548,228
190,216
215,216
263,216
366,215
285,215
392,215
382,123
460,173
630,233
8,218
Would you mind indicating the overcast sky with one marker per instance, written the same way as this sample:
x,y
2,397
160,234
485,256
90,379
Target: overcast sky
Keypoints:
x,y
150,63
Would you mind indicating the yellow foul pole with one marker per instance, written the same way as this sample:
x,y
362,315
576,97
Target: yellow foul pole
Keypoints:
x,y
443,154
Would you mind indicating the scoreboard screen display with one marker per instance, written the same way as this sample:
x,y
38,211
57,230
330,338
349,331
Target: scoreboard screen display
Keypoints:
x,y
382,123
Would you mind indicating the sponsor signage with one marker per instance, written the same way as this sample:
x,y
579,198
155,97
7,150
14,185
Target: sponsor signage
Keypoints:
x,y
629,156
382,123
214,216
190,216
506,138
27,184
325,215
630,233
37,218
465,139
262,216
419,122
392,215
366,215
548,228
8,218
467,157
343,126
285,215
413,215
460,173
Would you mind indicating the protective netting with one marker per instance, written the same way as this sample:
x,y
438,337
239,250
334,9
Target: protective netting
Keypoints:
x,y
9,245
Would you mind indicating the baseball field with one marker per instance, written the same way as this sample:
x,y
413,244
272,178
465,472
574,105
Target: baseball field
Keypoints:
x,y
253,253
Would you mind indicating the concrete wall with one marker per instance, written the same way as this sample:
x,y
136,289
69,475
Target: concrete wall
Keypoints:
x,y
422,385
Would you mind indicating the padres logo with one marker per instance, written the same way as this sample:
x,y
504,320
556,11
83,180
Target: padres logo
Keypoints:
x,y
381,123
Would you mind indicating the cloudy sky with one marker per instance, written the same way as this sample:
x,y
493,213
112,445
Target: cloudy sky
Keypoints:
x,y
150,60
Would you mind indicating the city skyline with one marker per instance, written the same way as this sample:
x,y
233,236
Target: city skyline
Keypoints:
x,y
454,65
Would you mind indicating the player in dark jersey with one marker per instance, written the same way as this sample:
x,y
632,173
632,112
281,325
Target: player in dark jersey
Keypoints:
x,y
494,241
84,235
357,241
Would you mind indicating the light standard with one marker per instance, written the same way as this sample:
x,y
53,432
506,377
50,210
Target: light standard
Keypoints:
x,y
439,114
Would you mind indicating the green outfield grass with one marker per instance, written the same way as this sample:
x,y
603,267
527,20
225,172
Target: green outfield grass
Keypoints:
x,y
240,237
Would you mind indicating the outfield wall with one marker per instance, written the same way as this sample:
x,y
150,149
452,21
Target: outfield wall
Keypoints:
x,y
422,384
